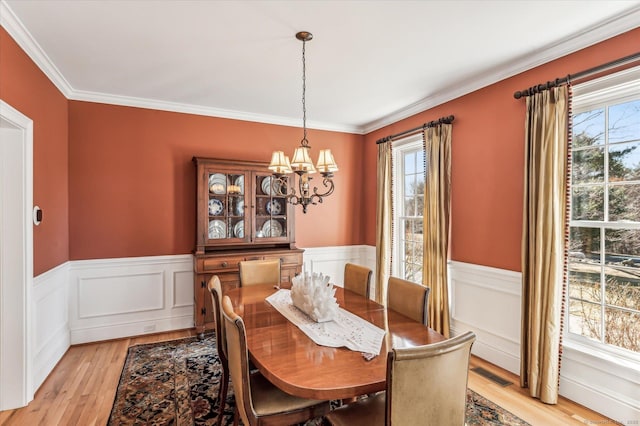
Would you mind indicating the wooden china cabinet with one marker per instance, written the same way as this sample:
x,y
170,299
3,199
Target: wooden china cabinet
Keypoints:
x,y
238,217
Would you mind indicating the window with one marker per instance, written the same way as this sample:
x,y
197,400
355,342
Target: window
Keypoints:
x,y
408,187
604,253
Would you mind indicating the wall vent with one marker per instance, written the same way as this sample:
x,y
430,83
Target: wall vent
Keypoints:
x,y
489,375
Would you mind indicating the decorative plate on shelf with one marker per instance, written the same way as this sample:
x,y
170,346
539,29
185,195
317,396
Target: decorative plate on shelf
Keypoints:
x,y
266,186
215,207
239,182
217,229
240,207
238,230
273,207
272,228
218,183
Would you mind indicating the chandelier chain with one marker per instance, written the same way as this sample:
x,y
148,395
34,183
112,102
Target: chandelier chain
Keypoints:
x,y
304,91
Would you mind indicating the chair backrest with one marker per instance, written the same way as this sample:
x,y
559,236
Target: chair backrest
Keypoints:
x,y
259,272
215,289
238,360
409,299
357,279
429,383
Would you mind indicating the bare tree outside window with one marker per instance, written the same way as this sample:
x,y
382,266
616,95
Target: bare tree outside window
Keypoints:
x,y
604,257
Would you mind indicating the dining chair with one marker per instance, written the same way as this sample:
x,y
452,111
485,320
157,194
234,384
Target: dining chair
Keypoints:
x,y
409,299
215,289
426,385
357,279
258,401
259,272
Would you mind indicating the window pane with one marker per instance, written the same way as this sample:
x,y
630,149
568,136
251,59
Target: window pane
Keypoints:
x,y
622,329
419,184
588,128
410,163
624,122
409,206
622,287
584,319
624,202
624,161
584,282
584,245
588,165
409,185
420,205
420,161
587,203
622,247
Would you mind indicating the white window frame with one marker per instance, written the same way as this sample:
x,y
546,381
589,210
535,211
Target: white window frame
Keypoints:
x,y
400,147
612,89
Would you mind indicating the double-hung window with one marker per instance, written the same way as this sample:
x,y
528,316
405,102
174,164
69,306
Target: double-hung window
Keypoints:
x,y
604,252
408,187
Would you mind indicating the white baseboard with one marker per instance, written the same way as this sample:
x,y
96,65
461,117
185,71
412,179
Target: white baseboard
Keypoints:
x,y
114,298
50,318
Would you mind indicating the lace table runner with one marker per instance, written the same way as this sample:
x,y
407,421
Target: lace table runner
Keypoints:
x,y
346,329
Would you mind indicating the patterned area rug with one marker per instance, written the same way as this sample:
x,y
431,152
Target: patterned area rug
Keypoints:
x,y
176,383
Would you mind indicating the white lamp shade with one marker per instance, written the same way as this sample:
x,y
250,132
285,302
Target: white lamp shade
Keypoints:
x,y
302,161
326,163
279,163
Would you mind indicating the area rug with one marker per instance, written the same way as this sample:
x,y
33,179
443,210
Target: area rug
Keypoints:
x,y
176,383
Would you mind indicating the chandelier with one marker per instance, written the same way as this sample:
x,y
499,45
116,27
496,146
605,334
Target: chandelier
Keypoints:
x,y
301,164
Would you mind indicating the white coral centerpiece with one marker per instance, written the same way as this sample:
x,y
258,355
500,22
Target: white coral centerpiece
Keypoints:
x,y
314,295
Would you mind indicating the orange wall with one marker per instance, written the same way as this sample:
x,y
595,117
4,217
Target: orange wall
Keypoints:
x,y
132,181
27,89
488,158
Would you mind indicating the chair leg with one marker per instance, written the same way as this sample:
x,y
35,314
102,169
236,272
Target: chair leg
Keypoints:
x,y
222,394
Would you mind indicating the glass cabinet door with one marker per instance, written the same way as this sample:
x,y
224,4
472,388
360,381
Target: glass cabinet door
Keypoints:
x,y
271,219
226,206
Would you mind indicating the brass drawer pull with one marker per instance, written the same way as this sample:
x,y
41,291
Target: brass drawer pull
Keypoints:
x,y
225,264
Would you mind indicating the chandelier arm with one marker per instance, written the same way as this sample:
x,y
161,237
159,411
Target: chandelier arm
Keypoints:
x,y
328,183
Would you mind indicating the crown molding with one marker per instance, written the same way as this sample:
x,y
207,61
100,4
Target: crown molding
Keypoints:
x,y
105,98
616,25
10,22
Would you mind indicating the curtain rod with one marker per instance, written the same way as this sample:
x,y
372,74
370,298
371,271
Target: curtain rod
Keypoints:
x,y
442,120
578,76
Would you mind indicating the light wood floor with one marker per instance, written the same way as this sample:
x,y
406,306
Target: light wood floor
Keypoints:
x,y
81,388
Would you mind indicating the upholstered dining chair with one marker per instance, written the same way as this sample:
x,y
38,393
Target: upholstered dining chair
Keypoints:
x,y
426,385
258,402
259,272
409,299
221,343
357,279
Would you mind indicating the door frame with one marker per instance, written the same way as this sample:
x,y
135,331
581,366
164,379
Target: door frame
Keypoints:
x,y
16,342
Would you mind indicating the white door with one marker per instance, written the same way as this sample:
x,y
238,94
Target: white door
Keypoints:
x,y
16,257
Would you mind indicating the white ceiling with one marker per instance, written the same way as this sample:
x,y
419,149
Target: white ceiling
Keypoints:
x,y
370,63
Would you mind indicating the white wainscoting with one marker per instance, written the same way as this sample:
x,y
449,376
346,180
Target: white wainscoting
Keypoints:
x,y
51,320
113,298
488,301
331,260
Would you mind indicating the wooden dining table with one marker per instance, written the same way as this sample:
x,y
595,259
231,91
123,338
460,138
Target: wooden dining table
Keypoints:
x,y
297,365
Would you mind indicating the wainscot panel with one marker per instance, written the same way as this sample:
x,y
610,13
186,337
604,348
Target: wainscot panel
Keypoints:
x,y
331,260
113,298
51,321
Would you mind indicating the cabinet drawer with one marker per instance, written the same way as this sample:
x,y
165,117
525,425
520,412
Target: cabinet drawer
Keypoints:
x,y
222,264
287,259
